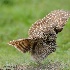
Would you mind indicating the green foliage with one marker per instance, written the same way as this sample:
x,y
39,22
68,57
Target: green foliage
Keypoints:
x,y
16,16
6,2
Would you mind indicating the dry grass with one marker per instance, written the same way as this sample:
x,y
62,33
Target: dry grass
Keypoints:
x,y
49,66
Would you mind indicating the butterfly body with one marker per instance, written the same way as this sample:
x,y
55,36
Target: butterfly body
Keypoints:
x,y
42,35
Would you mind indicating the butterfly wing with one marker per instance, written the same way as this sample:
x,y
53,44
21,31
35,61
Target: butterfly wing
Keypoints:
x,y
22,45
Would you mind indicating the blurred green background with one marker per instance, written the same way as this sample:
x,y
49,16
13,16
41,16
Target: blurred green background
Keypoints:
x,y
16,17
